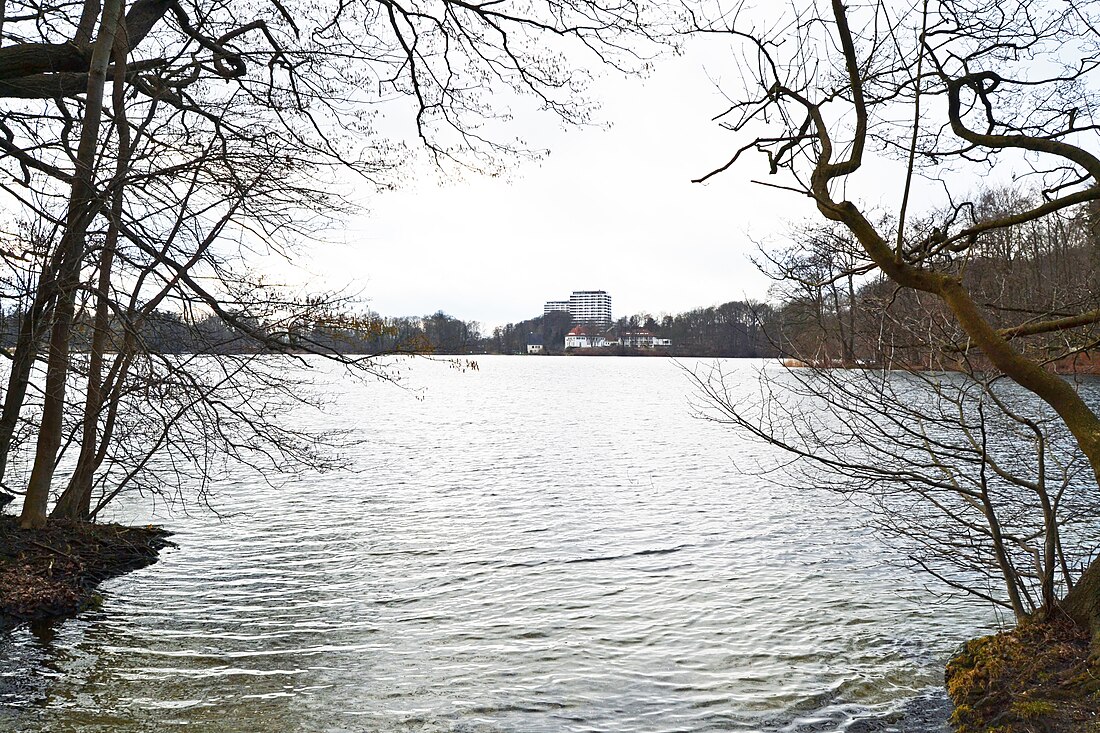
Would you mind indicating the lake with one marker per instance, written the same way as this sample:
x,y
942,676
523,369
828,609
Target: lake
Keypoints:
x,y
542,544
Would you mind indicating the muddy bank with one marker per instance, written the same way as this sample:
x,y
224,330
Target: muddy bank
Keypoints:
x,y
54,571
1035,678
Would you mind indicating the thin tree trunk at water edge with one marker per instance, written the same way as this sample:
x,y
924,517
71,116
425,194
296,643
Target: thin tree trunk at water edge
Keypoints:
x,y
75,501
82,210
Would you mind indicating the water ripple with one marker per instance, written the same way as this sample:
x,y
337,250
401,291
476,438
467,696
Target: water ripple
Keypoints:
x,y
542,545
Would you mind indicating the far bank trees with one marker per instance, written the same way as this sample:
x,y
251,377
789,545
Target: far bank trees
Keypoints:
x,y
732,329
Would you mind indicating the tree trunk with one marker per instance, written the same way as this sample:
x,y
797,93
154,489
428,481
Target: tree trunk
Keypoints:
x,y
1082,603
26,350
75,501
82,209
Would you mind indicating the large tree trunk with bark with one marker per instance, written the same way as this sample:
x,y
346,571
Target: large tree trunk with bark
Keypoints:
x,y
1082,604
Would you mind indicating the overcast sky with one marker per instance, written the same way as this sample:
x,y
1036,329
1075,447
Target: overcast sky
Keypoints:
x,y
609,209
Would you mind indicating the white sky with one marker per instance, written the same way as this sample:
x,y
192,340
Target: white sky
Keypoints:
x,y
611,209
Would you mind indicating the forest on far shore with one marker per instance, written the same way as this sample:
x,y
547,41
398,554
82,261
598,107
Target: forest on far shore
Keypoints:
x,y
822,310
735,329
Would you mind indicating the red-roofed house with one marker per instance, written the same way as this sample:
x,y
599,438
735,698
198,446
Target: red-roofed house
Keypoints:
x,y
581,338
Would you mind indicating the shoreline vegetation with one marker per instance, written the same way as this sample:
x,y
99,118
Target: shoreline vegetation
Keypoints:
x,y
1077,365
55,571
1038,676
614,351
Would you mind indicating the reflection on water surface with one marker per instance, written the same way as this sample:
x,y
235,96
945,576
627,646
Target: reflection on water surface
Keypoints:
x,y
546,544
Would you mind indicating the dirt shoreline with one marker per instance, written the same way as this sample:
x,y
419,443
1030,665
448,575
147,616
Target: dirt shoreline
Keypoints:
x,y
1036,678
55,571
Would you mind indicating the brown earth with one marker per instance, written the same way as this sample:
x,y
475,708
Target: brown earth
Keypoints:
x,y
1036,678
1087,363
54,571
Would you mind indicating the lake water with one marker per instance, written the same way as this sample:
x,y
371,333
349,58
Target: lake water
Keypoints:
x,y
544,544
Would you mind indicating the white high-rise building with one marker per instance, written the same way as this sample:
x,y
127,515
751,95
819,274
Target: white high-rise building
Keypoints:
x,y
590,307
555,305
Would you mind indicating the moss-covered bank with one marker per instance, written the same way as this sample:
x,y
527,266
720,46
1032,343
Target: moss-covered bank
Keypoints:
x,y
1037,678
54,571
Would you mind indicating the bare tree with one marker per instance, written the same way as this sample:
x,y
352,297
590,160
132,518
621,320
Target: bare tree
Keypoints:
x,y
938,89
974,478
816,280
225,125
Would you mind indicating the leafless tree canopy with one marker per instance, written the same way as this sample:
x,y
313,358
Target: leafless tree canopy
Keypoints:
x,y
921,100
153,150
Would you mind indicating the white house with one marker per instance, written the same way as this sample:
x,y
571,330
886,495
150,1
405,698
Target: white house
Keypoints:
x,y
642,339
580,338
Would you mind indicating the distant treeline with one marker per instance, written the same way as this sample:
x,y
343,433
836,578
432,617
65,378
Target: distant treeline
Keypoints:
x,y
734,329
177,333
825,310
